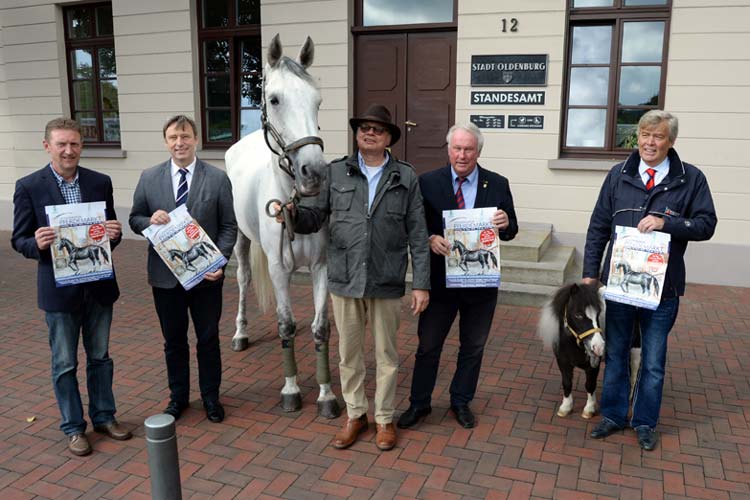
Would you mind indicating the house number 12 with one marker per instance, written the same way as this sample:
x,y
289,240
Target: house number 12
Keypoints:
x,y
513,25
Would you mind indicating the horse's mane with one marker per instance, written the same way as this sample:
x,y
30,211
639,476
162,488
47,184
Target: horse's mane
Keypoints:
x,y
551,316
297,69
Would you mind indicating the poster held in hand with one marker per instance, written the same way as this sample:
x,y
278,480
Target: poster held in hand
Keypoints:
x,y
475,252
185,247
638,267
81,251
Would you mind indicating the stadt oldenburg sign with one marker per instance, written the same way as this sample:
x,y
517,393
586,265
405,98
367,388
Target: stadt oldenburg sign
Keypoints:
x,y
514,70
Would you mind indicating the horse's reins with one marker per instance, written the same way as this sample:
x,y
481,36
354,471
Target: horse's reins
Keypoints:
x,y
578,336
285,164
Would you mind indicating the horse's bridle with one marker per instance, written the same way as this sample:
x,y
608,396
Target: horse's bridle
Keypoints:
x,y
285,162
578,336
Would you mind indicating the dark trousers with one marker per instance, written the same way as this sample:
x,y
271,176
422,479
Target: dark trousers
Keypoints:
x,y
204,305
434,324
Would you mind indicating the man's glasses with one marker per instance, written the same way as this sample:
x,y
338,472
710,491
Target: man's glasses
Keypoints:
x,y
375,128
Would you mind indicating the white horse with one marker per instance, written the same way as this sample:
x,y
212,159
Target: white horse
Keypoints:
x,y
282,160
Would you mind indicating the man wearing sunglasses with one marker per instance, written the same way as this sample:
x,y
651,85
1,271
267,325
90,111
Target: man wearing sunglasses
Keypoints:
x,y
374,210
653,190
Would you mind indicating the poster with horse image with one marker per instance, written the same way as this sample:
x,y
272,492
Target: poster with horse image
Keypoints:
x,y
185,247
638,267
81,251
474,261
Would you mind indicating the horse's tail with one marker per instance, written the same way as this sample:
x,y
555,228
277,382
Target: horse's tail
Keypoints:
x,y
261,277
104,254
494,259
548,328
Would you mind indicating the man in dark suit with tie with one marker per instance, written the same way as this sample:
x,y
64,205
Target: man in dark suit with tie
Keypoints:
x,y
207,192
76,310
462,184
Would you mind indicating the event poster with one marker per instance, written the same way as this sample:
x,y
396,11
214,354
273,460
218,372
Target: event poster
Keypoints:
x,y
474,261
638,267
81,251
185,247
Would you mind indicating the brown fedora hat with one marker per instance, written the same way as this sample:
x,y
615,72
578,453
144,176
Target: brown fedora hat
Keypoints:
x,y
379,114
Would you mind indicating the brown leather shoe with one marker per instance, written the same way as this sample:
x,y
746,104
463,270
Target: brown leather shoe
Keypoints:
x,y
385,439
115,430
78,444
348,434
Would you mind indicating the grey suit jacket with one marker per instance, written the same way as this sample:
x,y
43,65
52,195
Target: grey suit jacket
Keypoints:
x,y
209,201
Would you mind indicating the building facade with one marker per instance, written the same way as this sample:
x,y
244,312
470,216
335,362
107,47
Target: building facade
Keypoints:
x,y
556,85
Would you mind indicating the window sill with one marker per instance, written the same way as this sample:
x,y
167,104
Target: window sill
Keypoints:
x,y
578,164
97,152
211,154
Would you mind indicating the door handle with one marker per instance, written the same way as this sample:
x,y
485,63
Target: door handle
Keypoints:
x,y
409,123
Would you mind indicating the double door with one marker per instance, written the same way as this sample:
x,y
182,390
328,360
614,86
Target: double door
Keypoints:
x,y
414,76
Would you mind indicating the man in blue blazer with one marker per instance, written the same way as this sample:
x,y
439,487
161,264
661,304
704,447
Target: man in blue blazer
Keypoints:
x,y
462,184
77,309
207,193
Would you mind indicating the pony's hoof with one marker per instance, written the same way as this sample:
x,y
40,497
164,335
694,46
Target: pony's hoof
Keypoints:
x,y
240,344
291,402
588,414
561,412
329,409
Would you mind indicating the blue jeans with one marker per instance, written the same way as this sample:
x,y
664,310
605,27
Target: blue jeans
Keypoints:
x,y
655,327
94,321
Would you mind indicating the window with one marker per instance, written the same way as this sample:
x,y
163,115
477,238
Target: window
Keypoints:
x,y
616,65
231,69
92,72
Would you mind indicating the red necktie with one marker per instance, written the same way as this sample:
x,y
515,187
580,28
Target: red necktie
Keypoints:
x,y
459,194
650,184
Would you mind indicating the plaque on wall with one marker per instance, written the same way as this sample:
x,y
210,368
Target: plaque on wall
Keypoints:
x,y
512,70
526,121
507,97
488,121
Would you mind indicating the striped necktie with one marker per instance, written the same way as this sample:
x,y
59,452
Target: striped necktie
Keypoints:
x,y
182,188
650,183
459,194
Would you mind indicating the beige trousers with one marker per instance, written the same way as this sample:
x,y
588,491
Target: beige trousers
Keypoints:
x,y
352,316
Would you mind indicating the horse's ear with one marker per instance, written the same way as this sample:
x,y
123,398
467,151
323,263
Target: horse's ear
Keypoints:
x,y
274,51
574,289
306,53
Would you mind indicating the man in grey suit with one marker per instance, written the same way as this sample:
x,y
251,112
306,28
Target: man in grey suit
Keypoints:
x,y
207,192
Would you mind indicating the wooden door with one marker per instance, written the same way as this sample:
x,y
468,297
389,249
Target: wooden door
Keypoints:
x,y
414,75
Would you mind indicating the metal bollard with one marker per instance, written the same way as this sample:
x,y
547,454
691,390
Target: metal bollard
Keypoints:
x,y
163,461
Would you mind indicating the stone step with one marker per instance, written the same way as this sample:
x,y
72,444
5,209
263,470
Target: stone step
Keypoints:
x,y
524,294
552,269
528,245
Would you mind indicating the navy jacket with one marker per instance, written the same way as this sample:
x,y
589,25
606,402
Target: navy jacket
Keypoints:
x,y
33,193
682,199
493,190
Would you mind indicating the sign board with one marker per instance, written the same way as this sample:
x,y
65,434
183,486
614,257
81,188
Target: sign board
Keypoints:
x,y
526,121
507,97
488,121
511,70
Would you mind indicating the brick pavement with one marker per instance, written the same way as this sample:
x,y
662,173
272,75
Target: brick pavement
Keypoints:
x,y
520,449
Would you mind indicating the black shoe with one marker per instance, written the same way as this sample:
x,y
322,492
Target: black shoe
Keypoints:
x,y
647,437
464,416
214,411
175,408
604,428
411,416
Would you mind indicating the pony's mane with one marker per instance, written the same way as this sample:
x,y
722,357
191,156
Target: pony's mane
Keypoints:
x,y
297,69
551,315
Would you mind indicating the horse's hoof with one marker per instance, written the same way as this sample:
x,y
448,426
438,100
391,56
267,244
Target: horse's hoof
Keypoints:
x,y
563,413
329,409
588,414
240,344
291,402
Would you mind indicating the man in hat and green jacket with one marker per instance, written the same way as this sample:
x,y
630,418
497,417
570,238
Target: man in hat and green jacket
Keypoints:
x,y
374,209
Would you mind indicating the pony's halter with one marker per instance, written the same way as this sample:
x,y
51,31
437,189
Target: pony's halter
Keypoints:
x,y
285,162
578,336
